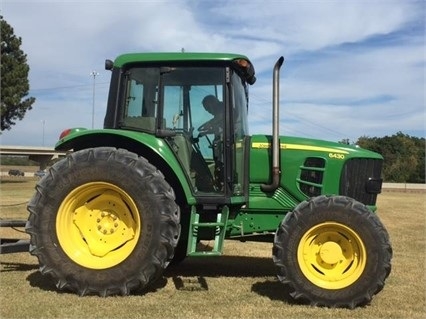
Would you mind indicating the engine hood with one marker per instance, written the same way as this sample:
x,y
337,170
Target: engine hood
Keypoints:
x,y
319,147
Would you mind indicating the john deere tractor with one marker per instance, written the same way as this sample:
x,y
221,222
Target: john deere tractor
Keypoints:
x,y
174,165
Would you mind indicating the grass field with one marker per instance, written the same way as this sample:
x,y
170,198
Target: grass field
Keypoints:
x,y
240,284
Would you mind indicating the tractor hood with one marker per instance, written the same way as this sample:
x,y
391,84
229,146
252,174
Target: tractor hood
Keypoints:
x,y
315,147
310,167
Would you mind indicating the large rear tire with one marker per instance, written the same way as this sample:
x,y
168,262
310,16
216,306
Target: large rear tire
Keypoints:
x,y
103,221
332,251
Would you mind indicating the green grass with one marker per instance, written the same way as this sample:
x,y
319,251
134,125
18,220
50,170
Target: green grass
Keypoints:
x,y
240,284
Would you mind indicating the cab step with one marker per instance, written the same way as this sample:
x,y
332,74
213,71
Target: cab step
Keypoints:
x,y
219,233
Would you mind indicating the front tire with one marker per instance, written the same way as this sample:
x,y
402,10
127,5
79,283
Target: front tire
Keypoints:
x,y
103,221
332,251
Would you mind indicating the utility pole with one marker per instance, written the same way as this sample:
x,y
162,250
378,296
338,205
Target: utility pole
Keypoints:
x,y
94,74
43,122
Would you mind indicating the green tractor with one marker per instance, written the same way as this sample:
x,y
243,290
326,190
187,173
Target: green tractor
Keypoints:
x,y
175,165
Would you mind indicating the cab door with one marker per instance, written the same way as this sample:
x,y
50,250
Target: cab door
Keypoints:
x,y
239,134
197,142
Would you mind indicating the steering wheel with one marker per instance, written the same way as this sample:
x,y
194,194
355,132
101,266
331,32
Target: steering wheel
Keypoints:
x,y
209,127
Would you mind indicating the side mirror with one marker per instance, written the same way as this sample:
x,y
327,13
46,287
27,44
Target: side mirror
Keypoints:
x,y
109,64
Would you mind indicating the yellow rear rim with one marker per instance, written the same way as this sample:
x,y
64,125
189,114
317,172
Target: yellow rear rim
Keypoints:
x,y
331,255
98,225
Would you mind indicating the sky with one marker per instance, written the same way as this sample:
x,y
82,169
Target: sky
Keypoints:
x,y
352,68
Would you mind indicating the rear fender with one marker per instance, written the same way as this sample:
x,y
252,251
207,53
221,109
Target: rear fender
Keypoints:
x,y
154,149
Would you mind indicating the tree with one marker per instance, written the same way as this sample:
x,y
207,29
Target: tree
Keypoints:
x,y
418,176
14,78
404,156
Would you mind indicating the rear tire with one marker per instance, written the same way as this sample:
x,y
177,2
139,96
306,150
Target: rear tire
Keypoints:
x,y
103,221
332,251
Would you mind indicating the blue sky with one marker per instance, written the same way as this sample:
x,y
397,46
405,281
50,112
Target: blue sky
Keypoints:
x,y
352,68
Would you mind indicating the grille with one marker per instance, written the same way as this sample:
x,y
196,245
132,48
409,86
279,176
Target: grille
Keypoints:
x,y
311,175
361,179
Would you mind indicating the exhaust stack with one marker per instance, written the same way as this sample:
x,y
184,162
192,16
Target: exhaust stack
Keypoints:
x,y
275,130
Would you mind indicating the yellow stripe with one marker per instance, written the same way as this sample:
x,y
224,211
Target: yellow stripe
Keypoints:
x,y
300,147
260,145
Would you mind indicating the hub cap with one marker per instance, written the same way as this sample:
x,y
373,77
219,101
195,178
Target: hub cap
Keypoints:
x,y
331,255
98,225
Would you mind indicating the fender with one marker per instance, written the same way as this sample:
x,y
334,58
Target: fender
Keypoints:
x,y
144,144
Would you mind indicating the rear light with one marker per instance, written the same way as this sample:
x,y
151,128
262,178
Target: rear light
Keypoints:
x,y
69,131
65,133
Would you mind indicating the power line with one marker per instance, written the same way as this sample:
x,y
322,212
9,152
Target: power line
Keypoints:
x,y
263,100
68,87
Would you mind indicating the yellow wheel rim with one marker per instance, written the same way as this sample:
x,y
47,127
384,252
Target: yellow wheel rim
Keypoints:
x,y
331,255
98,225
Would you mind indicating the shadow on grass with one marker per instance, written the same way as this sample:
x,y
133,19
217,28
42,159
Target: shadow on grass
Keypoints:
x,y
274,290
229,266
192,275
223,266
45,283
10,181
37,280
11,266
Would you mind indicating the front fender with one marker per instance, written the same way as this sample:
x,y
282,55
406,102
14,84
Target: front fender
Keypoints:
x,y
155,149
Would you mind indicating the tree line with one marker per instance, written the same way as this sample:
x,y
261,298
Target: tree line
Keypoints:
x,y
404,156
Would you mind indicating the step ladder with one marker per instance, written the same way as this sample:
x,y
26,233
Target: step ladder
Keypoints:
x,y
219,233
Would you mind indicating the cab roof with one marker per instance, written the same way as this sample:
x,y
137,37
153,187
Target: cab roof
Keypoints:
x,y
176,57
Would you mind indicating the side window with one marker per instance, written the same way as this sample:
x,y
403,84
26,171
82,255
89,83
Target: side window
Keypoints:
x,y
173,107
140,107
134,99
191,114
202,116
195,140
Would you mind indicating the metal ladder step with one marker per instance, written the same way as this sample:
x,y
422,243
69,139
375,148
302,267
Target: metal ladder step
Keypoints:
x,y
219,234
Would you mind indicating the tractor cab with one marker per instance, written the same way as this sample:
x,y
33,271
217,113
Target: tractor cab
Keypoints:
x,y
198,107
